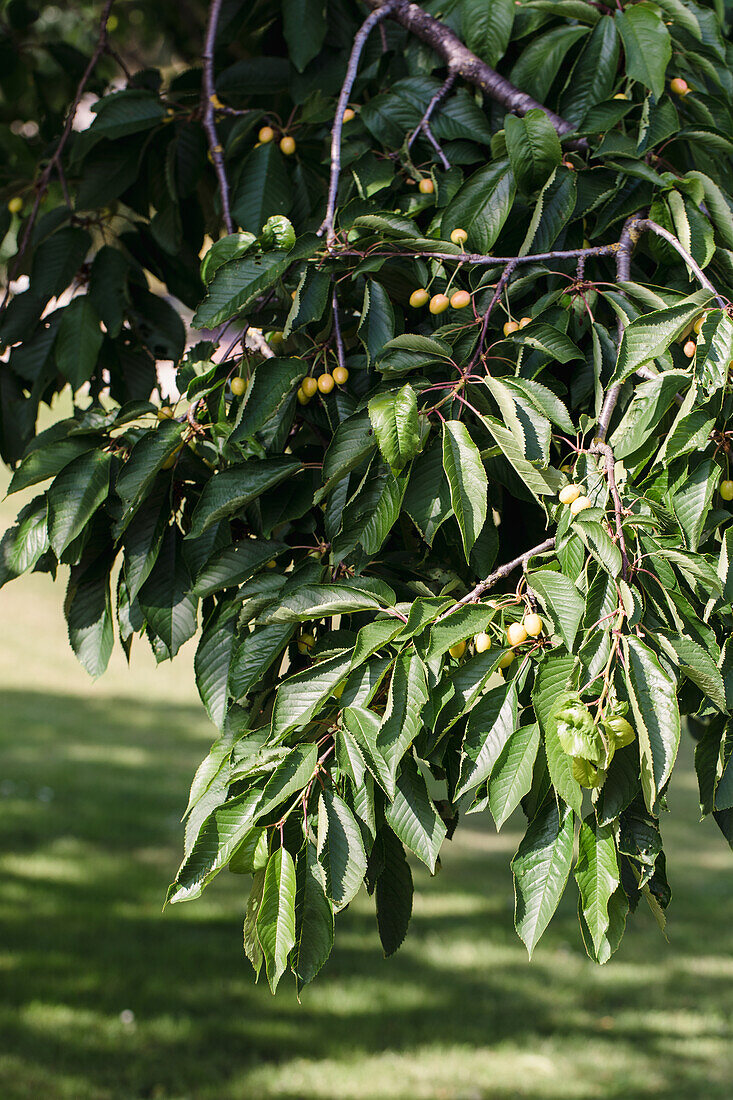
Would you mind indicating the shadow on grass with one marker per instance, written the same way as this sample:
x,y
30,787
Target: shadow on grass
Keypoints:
x,y
104,997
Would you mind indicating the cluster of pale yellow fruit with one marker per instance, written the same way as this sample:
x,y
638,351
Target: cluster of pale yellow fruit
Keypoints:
x,y
516,633
310,386
573,495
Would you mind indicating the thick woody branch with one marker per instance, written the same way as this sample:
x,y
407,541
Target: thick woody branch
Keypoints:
x,y
462,61
208,108
499,574
383,10
479,259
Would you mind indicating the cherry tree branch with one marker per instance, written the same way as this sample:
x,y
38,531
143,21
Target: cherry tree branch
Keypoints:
x,y
498,575
424,123
208,109
599,447
54,164
340,355
384,9
462,61
623,271
479,259
639,225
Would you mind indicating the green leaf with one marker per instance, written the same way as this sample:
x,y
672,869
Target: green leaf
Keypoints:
x,y
427,497
555,678
23,544
394,892
714,351
491,723
533,147
487,28
395,422
126,112
467,480
252,948
236,283
363,725
78,341
304,26
692,500
291,776
313,918
229,491
696,663
301,696
234,564
254,654
541,868
353,442
315,601
144,535
511,776
88,610
377,323
482,206
271,383
309,303
263,189
276,916
461,624
409,352
653,697
649,404
340,849
212,661
594,74
231,247
146,460
597,875
218,839
412,815
561,600
44,462
647,45
166,599
649,336
408,693
541,60
75,495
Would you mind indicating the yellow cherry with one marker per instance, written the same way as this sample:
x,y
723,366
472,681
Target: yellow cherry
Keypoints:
x,y
569,494
516,634
679,86
726,490
15,205
510,327
439,303
457,650
340,375
459,236
689,348
580,505
238,386
506,660
326,383
482,642
309,386
302,397
533,624
165,412
287,145
426,186
419,297
525,321
460,299
266,134
349,114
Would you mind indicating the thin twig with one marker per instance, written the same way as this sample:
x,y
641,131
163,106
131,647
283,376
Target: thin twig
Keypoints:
x,y
599,447
623,271
337,331
505,277
485,260
424,123
54,164
338,123
498,575
639,225
208,111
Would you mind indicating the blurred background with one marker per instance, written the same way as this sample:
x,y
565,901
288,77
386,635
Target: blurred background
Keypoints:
x,y
105,997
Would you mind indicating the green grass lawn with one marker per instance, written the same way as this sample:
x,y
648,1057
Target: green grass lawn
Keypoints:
x,y
104,997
